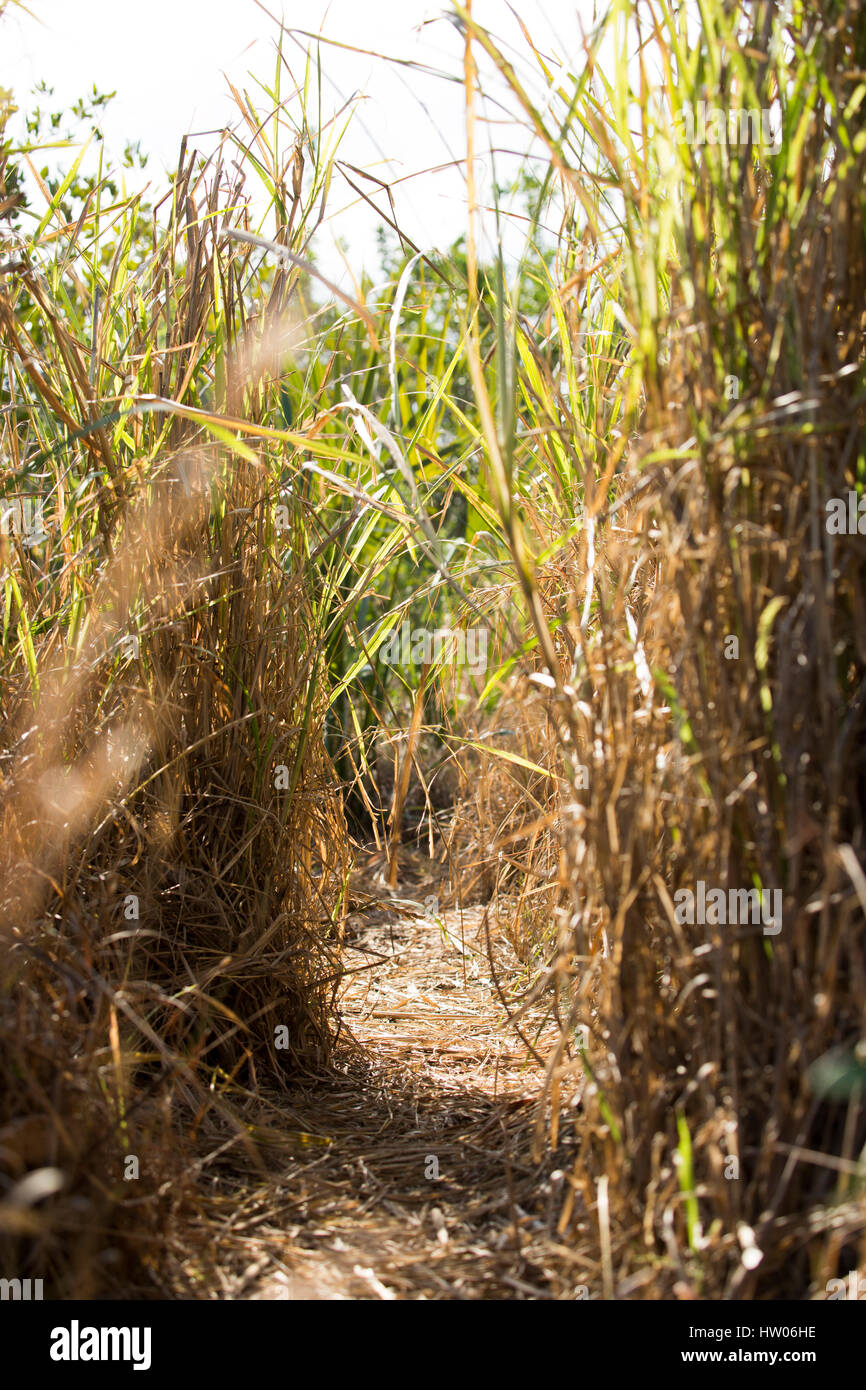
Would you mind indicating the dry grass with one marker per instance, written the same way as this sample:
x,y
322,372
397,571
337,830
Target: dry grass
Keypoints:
x,y
428,1079
562,461
723,1164
173,848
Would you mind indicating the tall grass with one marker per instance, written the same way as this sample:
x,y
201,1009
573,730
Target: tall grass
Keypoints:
x,y
174,854
615,464
713,402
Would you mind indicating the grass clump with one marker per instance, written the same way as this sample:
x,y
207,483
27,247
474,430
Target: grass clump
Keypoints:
x,y
174,852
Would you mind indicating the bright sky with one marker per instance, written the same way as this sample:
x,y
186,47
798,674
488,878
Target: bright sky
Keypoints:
x,y
169,61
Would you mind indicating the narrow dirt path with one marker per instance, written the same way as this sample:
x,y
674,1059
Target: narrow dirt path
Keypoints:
x,y
411,1174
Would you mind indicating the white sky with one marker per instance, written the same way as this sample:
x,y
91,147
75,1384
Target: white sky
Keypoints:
x,y
169,60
